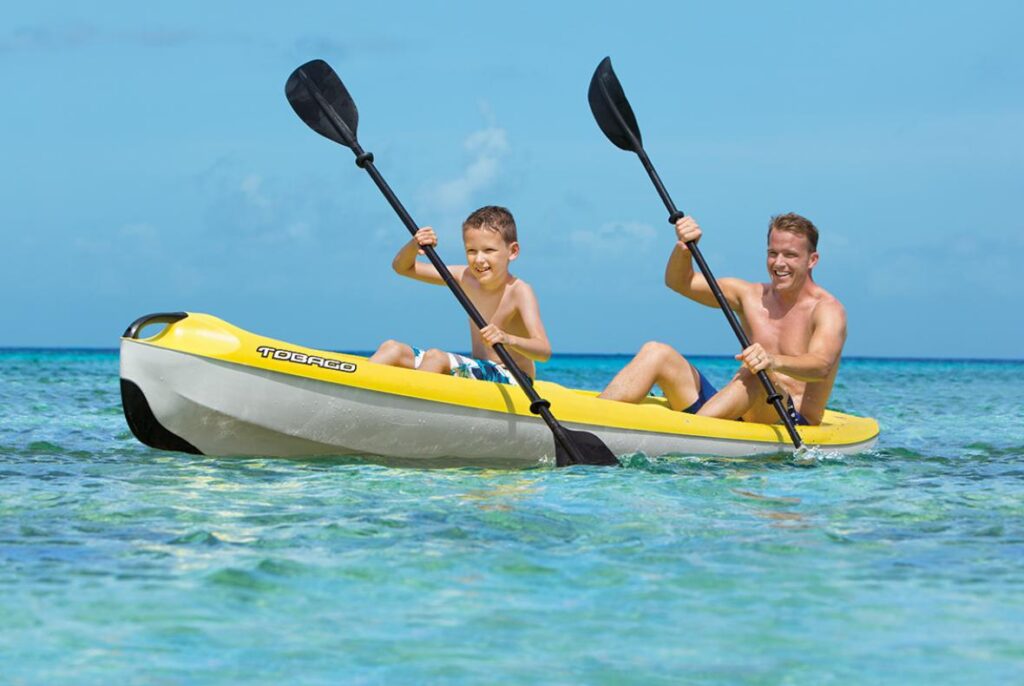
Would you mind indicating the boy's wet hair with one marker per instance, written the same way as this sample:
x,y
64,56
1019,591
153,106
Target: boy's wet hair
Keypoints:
x,y
794,223
493,218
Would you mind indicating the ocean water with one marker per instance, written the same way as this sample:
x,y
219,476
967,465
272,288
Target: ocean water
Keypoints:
x,y
904,565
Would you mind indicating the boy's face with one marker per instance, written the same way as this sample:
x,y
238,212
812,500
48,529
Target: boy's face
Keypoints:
x,y
488,255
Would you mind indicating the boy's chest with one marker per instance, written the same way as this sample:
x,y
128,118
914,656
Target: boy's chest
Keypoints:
x,y
495,306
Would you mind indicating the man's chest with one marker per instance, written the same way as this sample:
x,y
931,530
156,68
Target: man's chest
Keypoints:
x,y
786,332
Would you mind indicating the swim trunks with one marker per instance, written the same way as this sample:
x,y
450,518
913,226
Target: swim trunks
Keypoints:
x,y
707,390
705,393
798,419
472,368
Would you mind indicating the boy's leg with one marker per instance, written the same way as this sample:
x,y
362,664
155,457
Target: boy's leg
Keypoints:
x,y
660,364
396,354
436,361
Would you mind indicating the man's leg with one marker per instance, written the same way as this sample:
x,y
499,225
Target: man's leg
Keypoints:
x,y
743,396
395,354
660,364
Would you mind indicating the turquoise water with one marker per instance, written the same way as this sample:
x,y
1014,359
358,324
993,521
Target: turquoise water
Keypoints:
x,y
124,565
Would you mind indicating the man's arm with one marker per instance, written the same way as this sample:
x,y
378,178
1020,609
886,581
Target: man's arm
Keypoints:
x,y
681,277
535,345
406,264
823,350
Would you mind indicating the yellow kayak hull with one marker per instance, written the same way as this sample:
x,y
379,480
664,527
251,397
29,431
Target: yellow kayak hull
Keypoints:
x,y
205,386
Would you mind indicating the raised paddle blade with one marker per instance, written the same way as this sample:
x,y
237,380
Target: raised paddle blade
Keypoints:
x,y
317,75
591,448
611,109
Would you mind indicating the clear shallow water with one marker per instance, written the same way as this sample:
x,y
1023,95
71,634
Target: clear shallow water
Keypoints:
x,y
120,564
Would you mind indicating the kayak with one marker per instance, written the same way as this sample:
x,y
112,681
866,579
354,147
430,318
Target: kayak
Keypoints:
x,y
201,385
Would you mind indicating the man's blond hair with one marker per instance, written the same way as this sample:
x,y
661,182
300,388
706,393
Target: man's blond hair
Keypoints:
x,y
794,223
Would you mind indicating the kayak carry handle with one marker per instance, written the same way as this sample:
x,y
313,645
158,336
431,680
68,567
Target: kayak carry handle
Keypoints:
x,y
156,318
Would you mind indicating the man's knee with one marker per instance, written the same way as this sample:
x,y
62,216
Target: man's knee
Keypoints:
x,y
655,350
750,380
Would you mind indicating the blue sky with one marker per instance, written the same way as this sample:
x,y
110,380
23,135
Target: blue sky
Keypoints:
x,y
151,163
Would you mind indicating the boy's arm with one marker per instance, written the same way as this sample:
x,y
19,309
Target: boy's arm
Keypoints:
x,y
536,345
681,277
406,264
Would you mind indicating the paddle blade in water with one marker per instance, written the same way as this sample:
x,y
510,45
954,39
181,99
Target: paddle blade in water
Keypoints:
x,y
591,448
314,76
611,109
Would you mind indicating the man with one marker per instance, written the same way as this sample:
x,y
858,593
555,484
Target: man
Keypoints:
x,y
797,329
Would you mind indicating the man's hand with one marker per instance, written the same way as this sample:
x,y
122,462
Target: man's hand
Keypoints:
x,y
492,335
687,230
425,237
755,358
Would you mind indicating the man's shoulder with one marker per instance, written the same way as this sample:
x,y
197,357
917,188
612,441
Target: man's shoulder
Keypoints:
x,y
742,286
827,305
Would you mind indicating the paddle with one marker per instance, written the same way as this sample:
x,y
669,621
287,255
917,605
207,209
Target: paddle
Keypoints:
x,y
318,96
615,117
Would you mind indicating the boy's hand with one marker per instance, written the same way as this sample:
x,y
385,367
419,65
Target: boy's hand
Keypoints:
x,y
687,230
492,335
425,237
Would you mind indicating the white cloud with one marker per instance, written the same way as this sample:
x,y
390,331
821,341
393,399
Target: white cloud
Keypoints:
x,y
142,231
615,238
487,148
251,190
261,209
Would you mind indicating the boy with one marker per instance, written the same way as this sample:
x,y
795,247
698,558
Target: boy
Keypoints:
x,y
507,303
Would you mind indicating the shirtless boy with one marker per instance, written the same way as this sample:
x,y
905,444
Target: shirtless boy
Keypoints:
x,y
506,302
797,329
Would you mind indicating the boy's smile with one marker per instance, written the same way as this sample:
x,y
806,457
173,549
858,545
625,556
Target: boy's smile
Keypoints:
x,y
488,255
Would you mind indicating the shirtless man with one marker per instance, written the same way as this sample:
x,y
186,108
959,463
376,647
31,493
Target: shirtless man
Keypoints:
x,y
505,301
797,329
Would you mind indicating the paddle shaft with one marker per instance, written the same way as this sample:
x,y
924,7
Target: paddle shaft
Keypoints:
x,y
774,397
364,160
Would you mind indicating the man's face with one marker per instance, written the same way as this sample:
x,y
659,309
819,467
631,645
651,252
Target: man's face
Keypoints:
x,y
488,255
790,260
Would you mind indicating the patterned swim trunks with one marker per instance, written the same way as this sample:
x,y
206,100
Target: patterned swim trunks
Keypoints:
x,y
472,368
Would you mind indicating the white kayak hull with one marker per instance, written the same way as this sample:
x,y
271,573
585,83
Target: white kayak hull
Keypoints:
x,y
218,406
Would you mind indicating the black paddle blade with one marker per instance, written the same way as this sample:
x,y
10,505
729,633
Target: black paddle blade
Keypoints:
x,y
611,109
318,75
592,448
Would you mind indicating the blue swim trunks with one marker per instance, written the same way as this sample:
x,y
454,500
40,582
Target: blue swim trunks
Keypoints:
x,y
707,390
705,393
798,419
472,368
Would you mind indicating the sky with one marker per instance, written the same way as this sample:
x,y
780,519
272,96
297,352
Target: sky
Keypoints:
x,y
152,163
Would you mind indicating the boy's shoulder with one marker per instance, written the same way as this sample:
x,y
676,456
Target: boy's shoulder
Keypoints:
x,y
516,285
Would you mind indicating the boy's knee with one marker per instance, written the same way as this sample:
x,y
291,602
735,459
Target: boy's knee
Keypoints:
x,y
390,345
434,356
